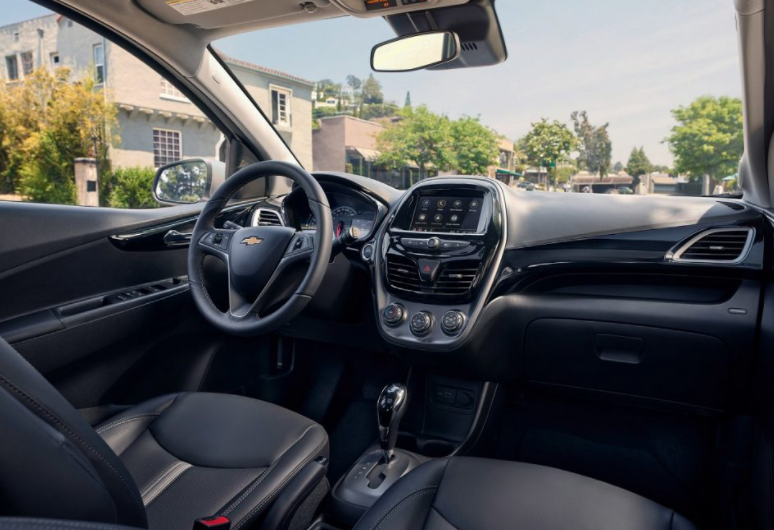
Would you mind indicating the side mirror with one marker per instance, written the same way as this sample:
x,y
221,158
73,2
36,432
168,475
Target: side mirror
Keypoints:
x,y
188,181
416,51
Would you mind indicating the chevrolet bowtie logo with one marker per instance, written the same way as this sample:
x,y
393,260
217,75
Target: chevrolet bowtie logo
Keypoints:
x,y
252,240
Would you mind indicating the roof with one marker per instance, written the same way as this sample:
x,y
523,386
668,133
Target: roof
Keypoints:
x,y
663,180
271,71
594,179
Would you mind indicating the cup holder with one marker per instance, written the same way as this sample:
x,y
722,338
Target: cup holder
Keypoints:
x,y
428,447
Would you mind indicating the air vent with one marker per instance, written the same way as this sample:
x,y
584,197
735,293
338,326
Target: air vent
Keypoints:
x,y
469,46
402,273
720,245
265,217
455,278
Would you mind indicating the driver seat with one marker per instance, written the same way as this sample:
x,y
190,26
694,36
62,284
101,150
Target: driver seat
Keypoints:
x,y
161,465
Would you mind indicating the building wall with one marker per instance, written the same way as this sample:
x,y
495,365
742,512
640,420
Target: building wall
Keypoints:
x,y
29,41
329,145
299,134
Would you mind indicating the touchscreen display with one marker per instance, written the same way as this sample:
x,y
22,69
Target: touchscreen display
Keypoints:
x,y
447,214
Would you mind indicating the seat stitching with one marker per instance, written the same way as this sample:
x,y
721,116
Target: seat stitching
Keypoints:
x,y
263,475
109,426
386,515
23,522
133,492
174,478
281,484
159,478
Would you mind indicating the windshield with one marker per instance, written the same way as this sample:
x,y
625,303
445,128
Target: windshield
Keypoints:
x,y
595,97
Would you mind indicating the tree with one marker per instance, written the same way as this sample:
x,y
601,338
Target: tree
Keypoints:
x,y
372,91
408,99
708,138
354,83
371,112
596,149
548,143
326,88
132,188
420,137
52,120
638,165
474,146
618,167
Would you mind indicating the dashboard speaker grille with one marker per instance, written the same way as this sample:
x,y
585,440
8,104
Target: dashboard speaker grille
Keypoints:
x,y
720,245
266,217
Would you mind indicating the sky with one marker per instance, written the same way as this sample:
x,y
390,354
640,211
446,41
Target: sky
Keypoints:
x,y
627,62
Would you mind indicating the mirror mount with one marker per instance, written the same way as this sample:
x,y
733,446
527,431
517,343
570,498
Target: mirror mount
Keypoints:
x,y
416,51
188,181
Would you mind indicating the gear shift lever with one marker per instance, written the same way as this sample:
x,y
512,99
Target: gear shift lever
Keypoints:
x,y
390,408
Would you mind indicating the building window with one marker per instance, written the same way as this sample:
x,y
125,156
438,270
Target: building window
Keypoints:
x,y
168,91
166,147
280,106
28,64
99,64
16,36
12,68
54,60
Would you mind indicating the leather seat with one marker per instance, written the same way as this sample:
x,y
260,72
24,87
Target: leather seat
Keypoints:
x,y
472,493
161,464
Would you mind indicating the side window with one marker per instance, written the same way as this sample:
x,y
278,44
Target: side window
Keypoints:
x,y
84,122
280,106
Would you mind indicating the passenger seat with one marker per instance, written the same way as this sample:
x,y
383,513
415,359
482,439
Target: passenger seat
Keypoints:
x,y
472,494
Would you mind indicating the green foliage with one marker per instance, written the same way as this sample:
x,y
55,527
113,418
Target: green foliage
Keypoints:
x,y
548,142
408,99
183,182
474,146
596,149
639,163
708,138
132,187
372,91
48,121
382,110
326,88
420,137
618,167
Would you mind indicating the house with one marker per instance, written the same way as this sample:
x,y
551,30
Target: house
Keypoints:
x,y
586,181
506,163
157,123
345,143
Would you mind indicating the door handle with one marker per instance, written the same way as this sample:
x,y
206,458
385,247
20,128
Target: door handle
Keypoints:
x,y
173,238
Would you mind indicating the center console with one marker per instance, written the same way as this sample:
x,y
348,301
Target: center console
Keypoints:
x,y
435,261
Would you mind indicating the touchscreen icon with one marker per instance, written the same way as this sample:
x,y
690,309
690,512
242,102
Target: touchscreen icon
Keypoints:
x,y
438,218
473,205
426,203
441,204
422,217
455,218
458,204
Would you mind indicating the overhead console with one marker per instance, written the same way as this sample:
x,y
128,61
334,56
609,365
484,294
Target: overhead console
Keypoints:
x,y
436,259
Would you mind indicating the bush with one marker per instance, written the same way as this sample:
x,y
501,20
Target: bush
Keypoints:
x,y
132,187
48,174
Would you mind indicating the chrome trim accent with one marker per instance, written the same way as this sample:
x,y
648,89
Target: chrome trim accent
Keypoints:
x,y
675,254
255,218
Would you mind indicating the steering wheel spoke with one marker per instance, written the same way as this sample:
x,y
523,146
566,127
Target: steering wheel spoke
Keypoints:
x,y
216,243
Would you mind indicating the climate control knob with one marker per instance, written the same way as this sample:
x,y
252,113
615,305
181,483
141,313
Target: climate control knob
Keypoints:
x,y
394,315
453,322
422,323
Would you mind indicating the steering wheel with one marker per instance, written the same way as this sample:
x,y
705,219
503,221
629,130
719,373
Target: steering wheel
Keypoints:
x,y
257,257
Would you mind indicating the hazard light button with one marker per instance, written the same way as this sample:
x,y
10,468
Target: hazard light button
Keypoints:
x,y
428,269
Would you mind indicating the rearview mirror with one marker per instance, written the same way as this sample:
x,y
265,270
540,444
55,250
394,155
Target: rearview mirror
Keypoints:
x,y
416,51
187,181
